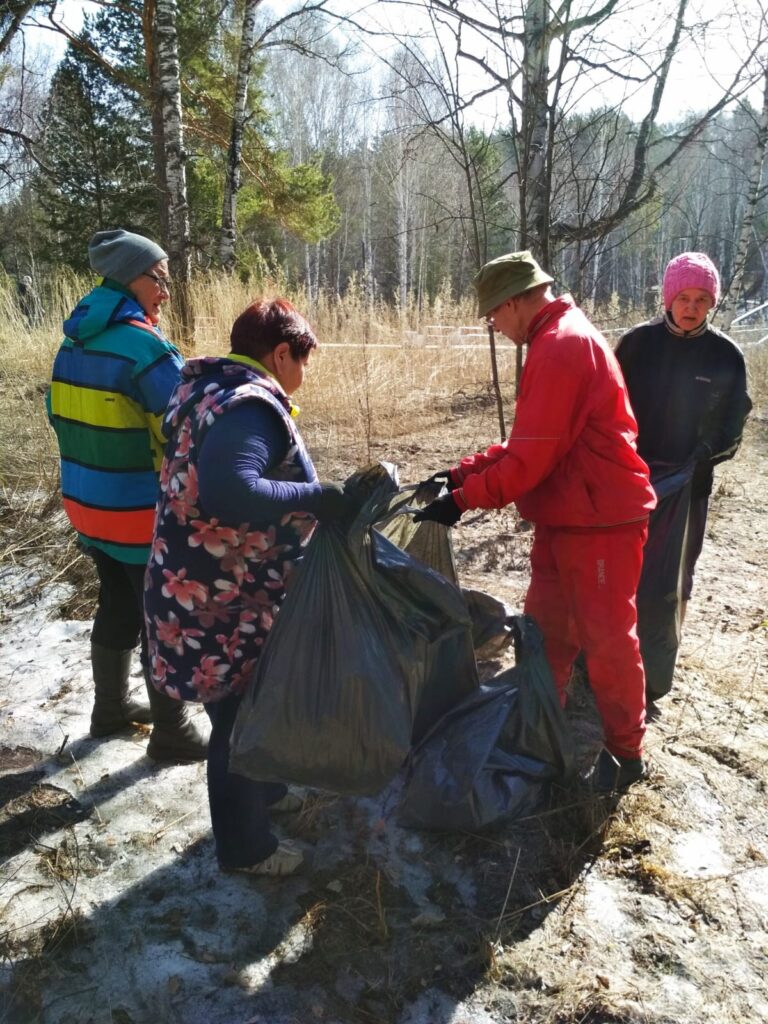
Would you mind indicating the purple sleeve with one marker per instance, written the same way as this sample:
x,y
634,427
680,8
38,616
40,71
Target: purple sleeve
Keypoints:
x,y
239,449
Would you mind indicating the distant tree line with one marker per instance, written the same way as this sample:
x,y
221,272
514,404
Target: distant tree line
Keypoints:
x,y
264,142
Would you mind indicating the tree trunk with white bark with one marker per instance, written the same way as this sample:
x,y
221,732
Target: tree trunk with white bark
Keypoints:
x,y
228,236
159,22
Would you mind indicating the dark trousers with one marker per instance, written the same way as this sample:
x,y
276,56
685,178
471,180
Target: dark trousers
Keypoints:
x,y
239,806
119,620
694,541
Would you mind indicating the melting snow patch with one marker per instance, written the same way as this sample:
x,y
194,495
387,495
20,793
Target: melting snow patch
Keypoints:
x,y
602,901
679,995
753,886
699,855
433,1006
701,799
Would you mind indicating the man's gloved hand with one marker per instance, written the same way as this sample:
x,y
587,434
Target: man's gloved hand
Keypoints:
x,y
440,479
442,510
334,503
429,489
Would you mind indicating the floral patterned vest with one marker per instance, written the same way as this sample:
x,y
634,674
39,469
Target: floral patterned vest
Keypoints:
x,y
212,590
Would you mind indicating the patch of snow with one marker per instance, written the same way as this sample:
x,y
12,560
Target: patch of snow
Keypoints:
x,y
679,995
753,889
699,855
603,899
701,799
433,1006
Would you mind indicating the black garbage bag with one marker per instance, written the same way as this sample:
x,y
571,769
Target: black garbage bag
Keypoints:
x,y
659,590
416,580
491,623
370,647
431,543
492,757
428,541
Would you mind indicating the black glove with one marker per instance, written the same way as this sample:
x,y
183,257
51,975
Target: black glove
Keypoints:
x,y
440,479
429,489
334,503
442,510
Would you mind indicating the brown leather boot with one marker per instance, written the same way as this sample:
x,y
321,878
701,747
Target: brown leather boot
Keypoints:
x,y
112,707
175,738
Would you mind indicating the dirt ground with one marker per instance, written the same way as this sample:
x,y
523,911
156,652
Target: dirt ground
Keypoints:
x,y
650,909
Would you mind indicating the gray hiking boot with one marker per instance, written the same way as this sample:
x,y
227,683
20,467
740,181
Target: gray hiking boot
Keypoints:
x,y
175,738
113,709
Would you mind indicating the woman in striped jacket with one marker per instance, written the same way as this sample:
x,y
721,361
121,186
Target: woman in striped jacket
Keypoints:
x,y
112,378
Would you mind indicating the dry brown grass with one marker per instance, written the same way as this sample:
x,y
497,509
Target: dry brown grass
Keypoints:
x,y
358,392
757,367
375,383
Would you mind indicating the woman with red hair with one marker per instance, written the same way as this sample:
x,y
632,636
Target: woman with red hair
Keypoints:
x,y
239,499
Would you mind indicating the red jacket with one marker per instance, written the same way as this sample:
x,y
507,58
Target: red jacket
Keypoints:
x,y
570,460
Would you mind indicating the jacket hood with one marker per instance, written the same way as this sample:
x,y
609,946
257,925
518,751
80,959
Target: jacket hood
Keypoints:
x,y
101,308
210,378
228,373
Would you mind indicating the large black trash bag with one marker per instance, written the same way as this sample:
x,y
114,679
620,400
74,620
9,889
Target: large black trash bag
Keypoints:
x,y
428,541
491,623
431,543
492,757
659,590
416,580
366,646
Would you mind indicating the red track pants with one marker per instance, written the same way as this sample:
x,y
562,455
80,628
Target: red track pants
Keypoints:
x,y
582,595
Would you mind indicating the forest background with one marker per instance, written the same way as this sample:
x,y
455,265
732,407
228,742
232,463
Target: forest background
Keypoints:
x,y
365,160
387,150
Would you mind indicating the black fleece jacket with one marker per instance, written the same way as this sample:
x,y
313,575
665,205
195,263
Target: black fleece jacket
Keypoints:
x,y
689,396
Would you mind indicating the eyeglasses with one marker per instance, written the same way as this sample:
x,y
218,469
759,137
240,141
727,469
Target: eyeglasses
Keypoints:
x,y
162,282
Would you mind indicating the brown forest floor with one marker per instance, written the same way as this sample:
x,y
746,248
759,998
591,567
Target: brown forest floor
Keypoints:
x,y
652,910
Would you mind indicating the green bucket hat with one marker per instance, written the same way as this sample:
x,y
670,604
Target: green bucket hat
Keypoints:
x,y
505,277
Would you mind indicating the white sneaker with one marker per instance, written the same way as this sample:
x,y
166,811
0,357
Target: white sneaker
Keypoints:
x,y
286,859
289,804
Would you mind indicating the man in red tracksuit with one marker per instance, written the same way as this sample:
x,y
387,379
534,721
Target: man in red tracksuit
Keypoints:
x,y
571,466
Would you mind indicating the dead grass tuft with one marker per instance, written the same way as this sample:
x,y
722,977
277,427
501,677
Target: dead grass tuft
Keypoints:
x,y
31,952
61,862
34,954
594,1012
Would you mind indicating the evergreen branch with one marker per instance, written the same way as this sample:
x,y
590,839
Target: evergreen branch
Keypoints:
x,y
78,42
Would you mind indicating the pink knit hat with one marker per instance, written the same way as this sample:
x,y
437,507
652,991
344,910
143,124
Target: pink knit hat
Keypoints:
x,y
690,270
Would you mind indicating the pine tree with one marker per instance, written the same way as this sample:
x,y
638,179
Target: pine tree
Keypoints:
x,y
97,146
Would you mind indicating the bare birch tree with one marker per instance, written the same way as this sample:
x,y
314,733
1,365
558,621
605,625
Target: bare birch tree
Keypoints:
x,y
234,155
166,96
161,42
755,191
12,15
544,57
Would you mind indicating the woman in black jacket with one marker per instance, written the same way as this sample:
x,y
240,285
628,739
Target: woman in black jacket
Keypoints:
x,y
687,383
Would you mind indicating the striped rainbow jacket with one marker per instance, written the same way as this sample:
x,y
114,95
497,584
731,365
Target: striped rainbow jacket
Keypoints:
x,y
112,378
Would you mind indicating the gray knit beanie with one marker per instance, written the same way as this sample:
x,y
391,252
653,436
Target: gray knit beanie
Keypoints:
x,y
123,255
